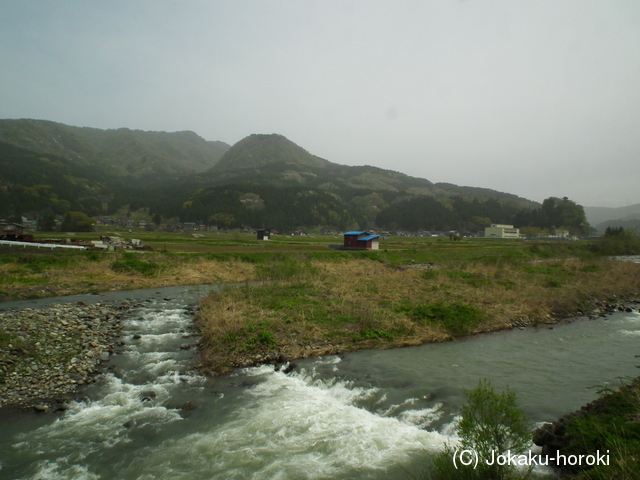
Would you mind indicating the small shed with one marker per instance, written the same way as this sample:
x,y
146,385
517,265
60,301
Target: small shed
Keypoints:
x,y
361,240
264,234
14,229
11,231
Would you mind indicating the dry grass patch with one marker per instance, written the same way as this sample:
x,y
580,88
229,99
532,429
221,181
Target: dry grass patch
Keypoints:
x,y
116,272
341,306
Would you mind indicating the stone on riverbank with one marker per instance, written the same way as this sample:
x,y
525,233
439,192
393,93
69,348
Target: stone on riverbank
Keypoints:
x,y
47,353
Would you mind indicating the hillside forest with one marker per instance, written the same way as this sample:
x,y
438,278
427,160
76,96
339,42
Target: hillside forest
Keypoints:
x,y
66,176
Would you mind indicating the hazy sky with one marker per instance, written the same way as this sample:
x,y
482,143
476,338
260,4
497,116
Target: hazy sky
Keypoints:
x,y
536,97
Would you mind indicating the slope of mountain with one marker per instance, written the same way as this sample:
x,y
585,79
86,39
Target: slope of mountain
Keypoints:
x,y
38,182
256,151
262,180
632,224
275,160
128,156
598,215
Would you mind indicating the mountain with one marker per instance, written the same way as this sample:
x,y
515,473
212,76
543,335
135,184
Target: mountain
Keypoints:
x,y
632,224
263,180
36,182
257,151
270,172
598,215
122,155
276,160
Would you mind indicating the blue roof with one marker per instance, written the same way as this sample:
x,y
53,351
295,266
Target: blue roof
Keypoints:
x,y
354,233
367,238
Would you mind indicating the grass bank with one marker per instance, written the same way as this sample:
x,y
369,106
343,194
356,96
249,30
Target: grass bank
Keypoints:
x,y
609,425
311,307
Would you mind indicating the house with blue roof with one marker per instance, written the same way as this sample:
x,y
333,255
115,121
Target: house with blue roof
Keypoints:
x,y
361,240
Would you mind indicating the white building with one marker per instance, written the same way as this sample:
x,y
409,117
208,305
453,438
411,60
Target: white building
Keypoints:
x,y
501,231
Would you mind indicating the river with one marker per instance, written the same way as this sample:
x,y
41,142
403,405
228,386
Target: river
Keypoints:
x,y
370,414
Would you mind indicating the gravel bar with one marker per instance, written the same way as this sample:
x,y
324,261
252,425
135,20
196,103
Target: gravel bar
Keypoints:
x,y
47,354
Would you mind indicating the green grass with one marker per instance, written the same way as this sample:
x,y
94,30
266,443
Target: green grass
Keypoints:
x,y
373,334
133,263
455,318
472,279
252,337
6,338
610,426
298,301
283,268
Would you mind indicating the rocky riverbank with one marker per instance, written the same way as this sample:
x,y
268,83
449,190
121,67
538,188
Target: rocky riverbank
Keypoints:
x,y
608,426
47,354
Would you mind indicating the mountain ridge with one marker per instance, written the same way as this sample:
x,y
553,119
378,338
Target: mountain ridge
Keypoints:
x,y
123,154
598,215
276,160
264,179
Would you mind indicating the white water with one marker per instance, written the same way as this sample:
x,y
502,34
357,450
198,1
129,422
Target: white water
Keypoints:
x,y
373,414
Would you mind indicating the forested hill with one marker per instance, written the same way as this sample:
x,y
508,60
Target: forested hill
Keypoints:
x,y
51,169
276,160
123,156
33,183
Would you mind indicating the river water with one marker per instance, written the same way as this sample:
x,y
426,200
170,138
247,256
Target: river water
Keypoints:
x,y
370,414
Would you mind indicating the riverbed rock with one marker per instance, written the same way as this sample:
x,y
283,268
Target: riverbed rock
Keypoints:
x,y
550,435
147,395
51,351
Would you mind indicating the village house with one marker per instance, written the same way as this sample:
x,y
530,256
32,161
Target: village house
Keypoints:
x,y
361,240
264,234
501,231
13,231
12,228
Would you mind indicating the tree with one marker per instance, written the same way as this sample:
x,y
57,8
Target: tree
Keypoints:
x,y
222,220
77,222
617,241
613,231
47,221
491,425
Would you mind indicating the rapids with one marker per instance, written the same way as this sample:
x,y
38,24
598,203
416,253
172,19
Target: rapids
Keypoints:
x,y
371,414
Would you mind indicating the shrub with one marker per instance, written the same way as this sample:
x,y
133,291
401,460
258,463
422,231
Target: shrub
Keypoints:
x,y
77,222
491,425
617,242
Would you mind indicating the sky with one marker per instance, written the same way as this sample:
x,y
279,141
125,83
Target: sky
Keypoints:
x,y
537,98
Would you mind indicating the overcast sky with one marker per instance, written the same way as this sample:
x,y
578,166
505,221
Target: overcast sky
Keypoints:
x,y
538,98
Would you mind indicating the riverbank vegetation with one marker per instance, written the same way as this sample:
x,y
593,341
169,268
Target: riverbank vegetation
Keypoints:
x,y
611,425
310,307
617,241
33,274
491,424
